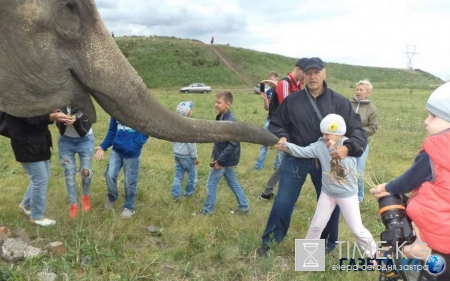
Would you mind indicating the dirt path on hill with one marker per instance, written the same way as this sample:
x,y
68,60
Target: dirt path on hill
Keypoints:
x,y
217,49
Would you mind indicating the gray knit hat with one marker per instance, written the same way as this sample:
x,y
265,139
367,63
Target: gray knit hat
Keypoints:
x,y
333,124
438,103
184,107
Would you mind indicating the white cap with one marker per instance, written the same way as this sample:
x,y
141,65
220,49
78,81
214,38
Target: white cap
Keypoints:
x,y
333,124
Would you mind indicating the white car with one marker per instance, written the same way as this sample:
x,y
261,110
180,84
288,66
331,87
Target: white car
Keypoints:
x,y
196,88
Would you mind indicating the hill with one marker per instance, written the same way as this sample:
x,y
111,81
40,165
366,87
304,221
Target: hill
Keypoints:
x,y
169,62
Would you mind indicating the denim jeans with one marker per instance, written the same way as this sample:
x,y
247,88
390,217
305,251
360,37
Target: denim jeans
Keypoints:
x,y
293,176
211,188
35,197
131,173
263,153
360,166
68,148
182,166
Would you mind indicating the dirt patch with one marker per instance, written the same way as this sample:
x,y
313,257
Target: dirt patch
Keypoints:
x,y
229,63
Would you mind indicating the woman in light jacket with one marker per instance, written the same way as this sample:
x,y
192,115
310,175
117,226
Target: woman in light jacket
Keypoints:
x,y
368,112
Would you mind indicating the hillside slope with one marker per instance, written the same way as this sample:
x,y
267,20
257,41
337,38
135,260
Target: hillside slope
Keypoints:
x,y
168,63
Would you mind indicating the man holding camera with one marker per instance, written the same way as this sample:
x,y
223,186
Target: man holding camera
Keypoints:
x,y
293,82
266,95
298,120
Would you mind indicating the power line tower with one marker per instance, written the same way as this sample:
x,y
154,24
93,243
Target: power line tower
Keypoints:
x,y
410,55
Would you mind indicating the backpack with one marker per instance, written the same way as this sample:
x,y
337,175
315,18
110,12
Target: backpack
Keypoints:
x,y
274,102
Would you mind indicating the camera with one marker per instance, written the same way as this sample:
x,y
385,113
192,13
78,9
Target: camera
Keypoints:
x,y
262,87
392,210
398,230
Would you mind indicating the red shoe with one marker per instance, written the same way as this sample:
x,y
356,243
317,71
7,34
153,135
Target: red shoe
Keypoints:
x,y
86,203
73,211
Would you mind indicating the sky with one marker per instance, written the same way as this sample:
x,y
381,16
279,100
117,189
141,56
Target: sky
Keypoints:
x,y
358,32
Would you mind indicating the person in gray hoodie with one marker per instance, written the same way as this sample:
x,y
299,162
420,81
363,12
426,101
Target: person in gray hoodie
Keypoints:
x,y
339,182
185,155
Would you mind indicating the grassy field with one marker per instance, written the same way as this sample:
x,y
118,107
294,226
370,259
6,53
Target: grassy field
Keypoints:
x,y
101,246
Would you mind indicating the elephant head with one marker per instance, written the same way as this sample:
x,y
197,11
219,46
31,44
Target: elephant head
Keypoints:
x,y
58,52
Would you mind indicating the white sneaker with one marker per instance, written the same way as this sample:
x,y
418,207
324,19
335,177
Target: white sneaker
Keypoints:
x,y
127,213
109,205
23,210
43,222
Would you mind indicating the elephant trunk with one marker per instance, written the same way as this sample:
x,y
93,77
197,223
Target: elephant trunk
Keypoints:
x,y
117,87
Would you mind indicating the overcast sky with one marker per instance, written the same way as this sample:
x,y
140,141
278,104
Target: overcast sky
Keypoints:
x,y
358,32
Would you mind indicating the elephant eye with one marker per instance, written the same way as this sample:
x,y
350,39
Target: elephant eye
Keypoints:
x,y
72,6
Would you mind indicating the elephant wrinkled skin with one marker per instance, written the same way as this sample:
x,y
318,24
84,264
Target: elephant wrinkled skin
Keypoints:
x,y
58,52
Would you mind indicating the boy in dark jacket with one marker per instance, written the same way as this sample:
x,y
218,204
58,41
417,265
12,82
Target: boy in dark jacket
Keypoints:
x,y
225,156
127,145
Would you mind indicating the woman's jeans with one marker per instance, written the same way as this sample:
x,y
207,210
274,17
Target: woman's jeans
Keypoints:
x,y
68,148
263,154
35,197
361,165
182,166
211,188
293,175
131,172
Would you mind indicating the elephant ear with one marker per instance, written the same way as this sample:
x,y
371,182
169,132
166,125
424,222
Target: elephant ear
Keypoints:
x,y
69,24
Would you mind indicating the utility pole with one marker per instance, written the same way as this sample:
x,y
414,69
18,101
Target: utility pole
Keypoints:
x,y
410,55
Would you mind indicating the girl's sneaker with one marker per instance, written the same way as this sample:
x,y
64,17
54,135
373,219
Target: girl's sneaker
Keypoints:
x,y
22,209
73,211
127,213
43,222
86,203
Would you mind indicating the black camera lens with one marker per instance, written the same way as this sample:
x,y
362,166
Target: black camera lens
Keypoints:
x,y
392,210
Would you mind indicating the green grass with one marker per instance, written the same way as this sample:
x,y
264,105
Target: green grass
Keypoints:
x,y
170,63
100,246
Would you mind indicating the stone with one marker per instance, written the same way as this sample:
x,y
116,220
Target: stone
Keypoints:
x,y
46,276
5,233
56,248
14,249
153,230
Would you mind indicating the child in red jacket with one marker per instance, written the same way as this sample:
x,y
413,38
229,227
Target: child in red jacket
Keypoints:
x,y
429,179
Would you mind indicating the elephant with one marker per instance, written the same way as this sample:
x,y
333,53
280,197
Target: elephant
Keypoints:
x,y
58,52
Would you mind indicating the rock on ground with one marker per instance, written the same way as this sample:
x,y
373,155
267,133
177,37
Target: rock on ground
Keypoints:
x,y
14,249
